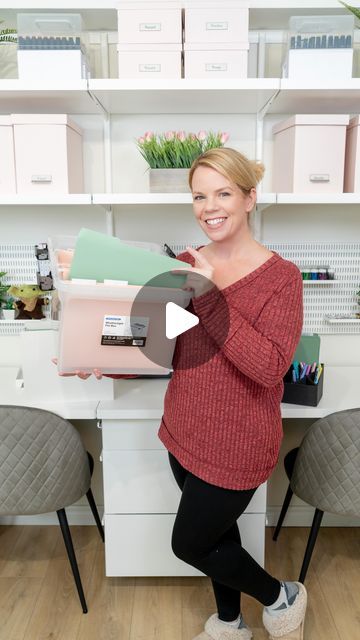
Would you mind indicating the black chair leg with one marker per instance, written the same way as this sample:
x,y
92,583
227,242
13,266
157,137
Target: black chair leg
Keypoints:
x,y
283,511
90,497
71,555
311,543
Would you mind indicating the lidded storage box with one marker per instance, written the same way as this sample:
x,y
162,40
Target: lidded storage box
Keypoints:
x,y
309,152
48,151
320,48
150,43
352,156
216,42
7,160
50,47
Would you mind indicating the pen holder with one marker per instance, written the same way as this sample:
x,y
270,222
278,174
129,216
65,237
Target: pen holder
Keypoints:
x,y
303,392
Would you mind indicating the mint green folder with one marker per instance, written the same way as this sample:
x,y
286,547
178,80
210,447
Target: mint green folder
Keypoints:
x,y
99,257
308,349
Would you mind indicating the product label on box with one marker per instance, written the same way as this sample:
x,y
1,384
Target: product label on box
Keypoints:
x,y
217,26
216,66
124,331
150,68
150,26
41,178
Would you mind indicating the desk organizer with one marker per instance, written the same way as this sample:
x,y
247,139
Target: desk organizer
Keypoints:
x,y
303,392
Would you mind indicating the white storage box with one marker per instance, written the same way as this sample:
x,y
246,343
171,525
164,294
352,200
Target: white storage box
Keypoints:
x,y
48,152
309,152
149,26
215,61
150,61
7,160
216,24
84,308
50,47
352,157
320,48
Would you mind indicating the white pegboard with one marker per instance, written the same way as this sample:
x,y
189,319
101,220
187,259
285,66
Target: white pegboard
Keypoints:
x,y
334,297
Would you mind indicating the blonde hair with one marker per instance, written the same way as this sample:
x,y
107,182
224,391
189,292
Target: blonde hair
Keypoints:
x,y
233,165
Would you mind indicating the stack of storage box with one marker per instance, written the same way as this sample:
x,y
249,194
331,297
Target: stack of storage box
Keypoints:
x,y
40,154
150,43
49,47
216,42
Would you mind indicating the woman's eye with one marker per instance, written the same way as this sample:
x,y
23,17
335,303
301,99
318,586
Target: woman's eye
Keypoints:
x,y
224,193
198,197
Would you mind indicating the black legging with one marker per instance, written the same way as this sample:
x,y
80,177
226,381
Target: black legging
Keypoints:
x,y
206,536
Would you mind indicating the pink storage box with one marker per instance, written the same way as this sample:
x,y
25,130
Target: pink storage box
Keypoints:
x,y
149,61
219,60
7,159
83,308
352,157
48,152
216,24
309,152
149,26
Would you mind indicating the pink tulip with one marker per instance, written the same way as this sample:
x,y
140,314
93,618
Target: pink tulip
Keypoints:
x,y
224,137
141,140
202,135
181,135
170,135
148,135
192,136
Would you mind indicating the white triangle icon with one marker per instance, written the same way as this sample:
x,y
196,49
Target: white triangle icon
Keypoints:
x,y
178,320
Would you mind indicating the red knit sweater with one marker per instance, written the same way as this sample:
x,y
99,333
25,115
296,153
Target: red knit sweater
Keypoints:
x,y
222,419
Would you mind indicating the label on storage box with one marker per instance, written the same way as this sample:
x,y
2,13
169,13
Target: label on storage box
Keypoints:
x,y
124,331
150,68
217,26
150,26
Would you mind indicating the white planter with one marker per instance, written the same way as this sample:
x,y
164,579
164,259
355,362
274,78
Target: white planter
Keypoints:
x,y
8,314
169,180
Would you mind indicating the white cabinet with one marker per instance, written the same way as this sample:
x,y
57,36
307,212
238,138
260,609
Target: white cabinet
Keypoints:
x,y
141,496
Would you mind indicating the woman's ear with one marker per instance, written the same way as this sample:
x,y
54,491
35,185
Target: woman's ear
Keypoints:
x,y
251,200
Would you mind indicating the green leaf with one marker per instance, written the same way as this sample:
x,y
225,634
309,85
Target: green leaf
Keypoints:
x,y
353,10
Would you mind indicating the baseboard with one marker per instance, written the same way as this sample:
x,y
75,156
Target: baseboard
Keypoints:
x,y
297,516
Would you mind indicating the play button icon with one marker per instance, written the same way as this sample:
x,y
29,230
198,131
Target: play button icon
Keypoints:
x,y
178,320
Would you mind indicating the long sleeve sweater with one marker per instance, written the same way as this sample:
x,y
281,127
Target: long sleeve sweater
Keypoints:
x,y
222,417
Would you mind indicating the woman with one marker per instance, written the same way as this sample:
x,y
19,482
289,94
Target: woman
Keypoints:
x,y
222,422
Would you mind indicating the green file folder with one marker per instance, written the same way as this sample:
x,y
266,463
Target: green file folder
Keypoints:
x,y
101,257
308,349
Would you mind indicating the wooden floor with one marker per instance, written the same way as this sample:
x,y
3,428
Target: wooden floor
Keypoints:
x,y
38,599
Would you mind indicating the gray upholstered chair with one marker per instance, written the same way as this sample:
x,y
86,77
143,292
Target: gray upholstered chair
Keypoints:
x,y
325,472
44,467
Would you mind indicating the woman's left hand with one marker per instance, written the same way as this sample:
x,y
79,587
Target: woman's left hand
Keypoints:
x,y
199,279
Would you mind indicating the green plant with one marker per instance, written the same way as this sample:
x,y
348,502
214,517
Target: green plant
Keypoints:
x,y
3,288
9,303
353,10
176,149
8,35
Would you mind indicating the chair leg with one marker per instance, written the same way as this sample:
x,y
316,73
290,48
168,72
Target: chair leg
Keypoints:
x,y
283,511
71,555
311,543
90,497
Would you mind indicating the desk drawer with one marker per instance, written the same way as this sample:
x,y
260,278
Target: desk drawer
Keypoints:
x,y
131,434
140,545
142,482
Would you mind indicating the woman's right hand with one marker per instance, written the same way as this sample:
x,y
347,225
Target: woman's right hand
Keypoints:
x,y
81,374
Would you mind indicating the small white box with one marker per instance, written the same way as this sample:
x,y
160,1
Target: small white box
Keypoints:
x,y
216,24
309,152
48,154
352,157
319,64
52,65
149,26
216,61
7,158
149,61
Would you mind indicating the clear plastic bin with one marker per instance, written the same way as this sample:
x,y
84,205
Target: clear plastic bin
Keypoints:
x,y
319,47
84,343
59,31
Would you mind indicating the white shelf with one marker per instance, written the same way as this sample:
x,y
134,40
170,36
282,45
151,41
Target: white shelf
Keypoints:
x,y
317,97
330,320
32,325
318,198
20,96
184,95
160,198
54,199
318,282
